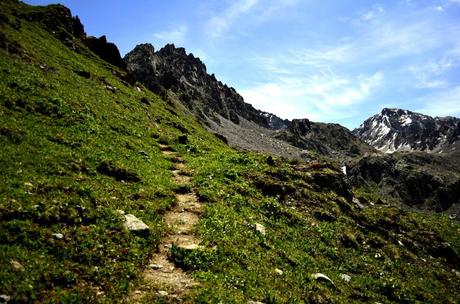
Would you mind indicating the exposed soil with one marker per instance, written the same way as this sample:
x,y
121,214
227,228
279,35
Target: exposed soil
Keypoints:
x,y
162,279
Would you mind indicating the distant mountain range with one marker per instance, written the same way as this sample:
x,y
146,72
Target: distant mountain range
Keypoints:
x,y
402,130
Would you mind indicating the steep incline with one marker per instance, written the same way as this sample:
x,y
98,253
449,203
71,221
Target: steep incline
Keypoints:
x,y
402,130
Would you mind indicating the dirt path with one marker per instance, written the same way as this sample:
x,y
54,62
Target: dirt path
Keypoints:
x,y
162,279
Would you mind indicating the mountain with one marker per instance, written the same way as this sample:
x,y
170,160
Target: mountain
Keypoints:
x,y
173,69
174,73
327,139
402,130
111,193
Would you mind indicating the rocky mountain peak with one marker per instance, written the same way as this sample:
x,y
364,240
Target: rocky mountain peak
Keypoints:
x,y
402,130
144,48
185,75
171,50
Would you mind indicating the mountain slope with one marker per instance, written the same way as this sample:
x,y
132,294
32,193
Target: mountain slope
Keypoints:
x,y
171,70
327,139
81,141
401,130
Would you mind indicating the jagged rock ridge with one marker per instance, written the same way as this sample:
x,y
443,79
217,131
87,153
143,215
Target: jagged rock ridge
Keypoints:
x,y
402,130
173,69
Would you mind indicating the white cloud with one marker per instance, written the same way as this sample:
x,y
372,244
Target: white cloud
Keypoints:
x,y
445,103
428,76
376,43
217,25
255,12
176,35
432,74
371,14
290,61
321,97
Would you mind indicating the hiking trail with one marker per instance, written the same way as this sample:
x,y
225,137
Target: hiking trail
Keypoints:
x,y
162,278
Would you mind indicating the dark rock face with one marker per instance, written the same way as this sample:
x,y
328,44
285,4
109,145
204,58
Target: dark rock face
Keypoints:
x,y
58,20
105,50
401,130
327,139
427,181
173,69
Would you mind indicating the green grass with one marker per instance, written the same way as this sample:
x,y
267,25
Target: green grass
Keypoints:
x,y
311,229
74,152
58,130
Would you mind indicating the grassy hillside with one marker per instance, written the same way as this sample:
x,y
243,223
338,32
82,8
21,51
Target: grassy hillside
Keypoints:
x,y
79,143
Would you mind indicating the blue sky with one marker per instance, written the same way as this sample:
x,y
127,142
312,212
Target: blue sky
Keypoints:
x,y
330,61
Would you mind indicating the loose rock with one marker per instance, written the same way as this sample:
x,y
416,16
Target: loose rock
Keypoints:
x,y
321,277
5,298
155,266
162,293
111,88
59,236
260,228
132,223
357,203
345,277
16,265
279,271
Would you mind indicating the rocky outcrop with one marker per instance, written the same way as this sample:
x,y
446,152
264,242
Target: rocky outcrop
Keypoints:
x,y
58,20
402,130
184,74
427,181
105,50
327,139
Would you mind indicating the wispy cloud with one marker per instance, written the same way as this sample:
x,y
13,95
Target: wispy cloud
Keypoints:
x,y
176,35
444,6
442,103
316,96
429,75
371,14
254,12
328,81
218,24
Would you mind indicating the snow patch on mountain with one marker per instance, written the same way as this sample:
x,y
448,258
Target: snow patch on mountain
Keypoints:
x,y
402,130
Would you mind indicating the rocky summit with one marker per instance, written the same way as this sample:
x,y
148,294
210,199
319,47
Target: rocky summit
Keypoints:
x,y
402,130
171,68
